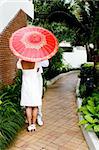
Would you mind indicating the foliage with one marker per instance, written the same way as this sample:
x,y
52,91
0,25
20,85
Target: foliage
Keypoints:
x,y
62,32
56,63
90,102
86,70
59,29
56,66
95,31
13,91
41,9
80,16
87,82
44,8
90,112
11,114
82,90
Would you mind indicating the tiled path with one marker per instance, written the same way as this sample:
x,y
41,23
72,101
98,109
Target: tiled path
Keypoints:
x,y
61,130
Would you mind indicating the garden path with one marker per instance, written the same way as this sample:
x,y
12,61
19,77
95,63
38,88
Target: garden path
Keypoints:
x,y
61,130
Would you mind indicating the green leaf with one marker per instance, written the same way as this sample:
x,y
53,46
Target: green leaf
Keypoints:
x,y
97,108
89,127
84,110
1,96
97,115
91,109
0,102
96,120
91,102
89,118
96,128
83,122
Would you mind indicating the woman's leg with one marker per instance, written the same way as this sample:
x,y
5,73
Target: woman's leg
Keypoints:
x,y
34,115
29,115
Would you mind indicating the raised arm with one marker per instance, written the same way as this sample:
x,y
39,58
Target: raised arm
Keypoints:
x,y
44,63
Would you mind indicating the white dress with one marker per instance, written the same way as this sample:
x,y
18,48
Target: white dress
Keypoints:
x,y
31,88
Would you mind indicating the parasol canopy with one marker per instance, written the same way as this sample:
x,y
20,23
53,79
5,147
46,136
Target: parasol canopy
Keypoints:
x,y
33,44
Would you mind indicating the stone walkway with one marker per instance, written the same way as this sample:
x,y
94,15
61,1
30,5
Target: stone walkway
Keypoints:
x,y
61,130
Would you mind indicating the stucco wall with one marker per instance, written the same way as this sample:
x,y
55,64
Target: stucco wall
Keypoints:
x,y
75,58
7,59
9,8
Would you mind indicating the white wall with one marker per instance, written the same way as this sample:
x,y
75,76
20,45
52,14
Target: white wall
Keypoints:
x,y
77,57
9,8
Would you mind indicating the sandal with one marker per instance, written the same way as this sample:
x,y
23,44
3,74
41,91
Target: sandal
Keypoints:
x,y
31,127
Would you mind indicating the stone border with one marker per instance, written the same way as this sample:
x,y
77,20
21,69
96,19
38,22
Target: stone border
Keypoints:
x,y
91,138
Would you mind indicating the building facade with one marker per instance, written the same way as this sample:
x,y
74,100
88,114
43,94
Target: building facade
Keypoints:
x,y
19,20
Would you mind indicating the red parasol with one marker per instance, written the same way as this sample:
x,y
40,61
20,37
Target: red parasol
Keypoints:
x,y
33,44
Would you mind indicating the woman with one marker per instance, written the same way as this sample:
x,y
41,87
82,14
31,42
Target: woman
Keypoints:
x,y
30,91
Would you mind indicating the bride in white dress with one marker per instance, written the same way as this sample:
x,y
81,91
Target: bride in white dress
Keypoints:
x,y
30,91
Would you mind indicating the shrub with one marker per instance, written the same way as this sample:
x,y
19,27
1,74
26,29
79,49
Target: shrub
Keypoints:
x,y
56,66
11,115
12,92
82,90
90,94
62,33
90,112
87,82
